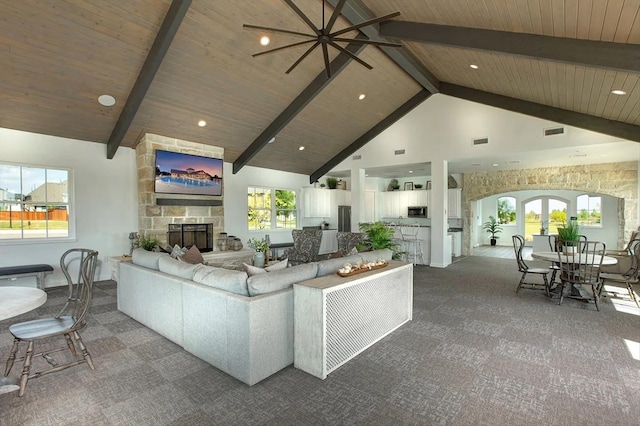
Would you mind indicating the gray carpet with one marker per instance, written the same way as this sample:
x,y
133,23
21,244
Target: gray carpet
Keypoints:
x,y
475,354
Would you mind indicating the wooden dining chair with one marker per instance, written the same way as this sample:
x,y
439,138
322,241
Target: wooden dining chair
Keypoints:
x,y
580,270
631,275
518,246
69,321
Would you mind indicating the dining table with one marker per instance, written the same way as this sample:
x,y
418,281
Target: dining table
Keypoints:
x,y
15,301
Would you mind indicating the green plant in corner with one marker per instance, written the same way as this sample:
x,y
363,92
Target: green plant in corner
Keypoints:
x,y
493,227
148,243
260,245
379,236
332,182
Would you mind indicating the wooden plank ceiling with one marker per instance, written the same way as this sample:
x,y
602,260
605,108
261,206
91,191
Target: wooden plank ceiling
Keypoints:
x,y
58,57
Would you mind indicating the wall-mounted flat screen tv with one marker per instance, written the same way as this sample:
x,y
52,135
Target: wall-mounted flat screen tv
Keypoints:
x,y
178,173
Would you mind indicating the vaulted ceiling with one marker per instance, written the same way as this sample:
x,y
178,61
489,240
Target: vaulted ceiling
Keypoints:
x,y
171,64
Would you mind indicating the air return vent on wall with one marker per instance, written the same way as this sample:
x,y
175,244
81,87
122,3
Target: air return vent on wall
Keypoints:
x,y
480,141
554,131
399,152
357,157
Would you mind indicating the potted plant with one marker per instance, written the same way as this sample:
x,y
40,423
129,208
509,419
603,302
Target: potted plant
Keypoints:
x,y
148,243
569,234
493,227
418,186
396,187
332,182
379,236
261,246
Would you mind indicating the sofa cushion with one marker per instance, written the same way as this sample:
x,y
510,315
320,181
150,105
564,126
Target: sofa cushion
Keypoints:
x,y
192,255
277,280
331,266
174,267
148,259
254,270
177,251
371,256
223,279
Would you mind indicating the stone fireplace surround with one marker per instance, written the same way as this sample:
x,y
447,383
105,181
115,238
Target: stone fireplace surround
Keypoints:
x,y
157,211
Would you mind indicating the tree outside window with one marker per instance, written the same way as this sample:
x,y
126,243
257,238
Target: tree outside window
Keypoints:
x,y
507,210
269,208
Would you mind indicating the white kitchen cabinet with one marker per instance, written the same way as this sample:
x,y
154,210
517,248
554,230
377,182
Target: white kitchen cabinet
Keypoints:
x,y
339,197
455,203
424,235
417,198
316,202
395,203
456,243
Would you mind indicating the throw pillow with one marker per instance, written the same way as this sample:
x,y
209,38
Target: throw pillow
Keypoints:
x,y
192,255
253,270
178,251
277,266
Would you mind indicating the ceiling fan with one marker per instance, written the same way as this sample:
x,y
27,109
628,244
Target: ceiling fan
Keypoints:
x,y
324,37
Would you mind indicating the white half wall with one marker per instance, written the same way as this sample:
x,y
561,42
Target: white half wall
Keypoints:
x,y
104,201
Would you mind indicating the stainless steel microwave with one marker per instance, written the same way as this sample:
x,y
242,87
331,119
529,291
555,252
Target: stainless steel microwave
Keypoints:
x,y
417,211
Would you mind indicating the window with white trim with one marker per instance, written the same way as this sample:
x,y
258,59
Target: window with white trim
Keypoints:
x,y
589,210
507,210
271,209
34,202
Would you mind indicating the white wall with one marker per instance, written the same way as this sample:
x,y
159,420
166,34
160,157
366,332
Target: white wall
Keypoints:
x,y
105,200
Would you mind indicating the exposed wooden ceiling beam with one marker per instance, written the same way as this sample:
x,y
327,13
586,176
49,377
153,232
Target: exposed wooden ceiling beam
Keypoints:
x,y
298,104
600,54
396,115
355,12
584,121
161,44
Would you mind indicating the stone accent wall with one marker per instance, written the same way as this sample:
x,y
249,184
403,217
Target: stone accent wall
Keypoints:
x,y
154,220
615,179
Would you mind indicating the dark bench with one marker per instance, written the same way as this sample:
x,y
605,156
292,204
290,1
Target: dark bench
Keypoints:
x,y
26,271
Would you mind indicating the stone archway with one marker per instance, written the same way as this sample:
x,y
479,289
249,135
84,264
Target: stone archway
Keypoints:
x,y
619,180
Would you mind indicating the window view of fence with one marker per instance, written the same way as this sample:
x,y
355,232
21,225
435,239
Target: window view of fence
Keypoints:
x,y
34,202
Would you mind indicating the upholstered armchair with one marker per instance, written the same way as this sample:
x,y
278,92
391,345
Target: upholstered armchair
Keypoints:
x,y
306,245
347,241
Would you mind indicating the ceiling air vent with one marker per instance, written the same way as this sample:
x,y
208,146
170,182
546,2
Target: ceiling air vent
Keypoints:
x,y
357,157
481,141
399,152
554,131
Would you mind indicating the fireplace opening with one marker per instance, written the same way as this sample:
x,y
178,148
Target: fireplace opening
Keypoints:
x,y
188,234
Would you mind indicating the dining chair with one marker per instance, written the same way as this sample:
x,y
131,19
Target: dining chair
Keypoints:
x,y
518,246
580,269
68,322
628,276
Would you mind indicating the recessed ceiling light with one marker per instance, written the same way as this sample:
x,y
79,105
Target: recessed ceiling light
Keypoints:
x,y
301,148
495,164
410,171
272,140
618,92
474,66
107,100
264,41
362,96
202,123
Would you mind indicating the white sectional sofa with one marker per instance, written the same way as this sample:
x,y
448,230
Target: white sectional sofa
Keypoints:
x,y
242,325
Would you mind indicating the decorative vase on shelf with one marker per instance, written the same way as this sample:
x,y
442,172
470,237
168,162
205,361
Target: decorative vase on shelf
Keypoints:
x,y
258,259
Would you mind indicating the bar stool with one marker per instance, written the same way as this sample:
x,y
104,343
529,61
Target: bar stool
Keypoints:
x,y
412,244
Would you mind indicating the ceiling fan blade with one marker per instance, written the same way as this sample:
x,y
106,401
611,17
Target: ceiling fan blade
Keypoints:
x,y
325,54
366,23
373,42
334,15
283,47
277,30
304,55
303,17
351,55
